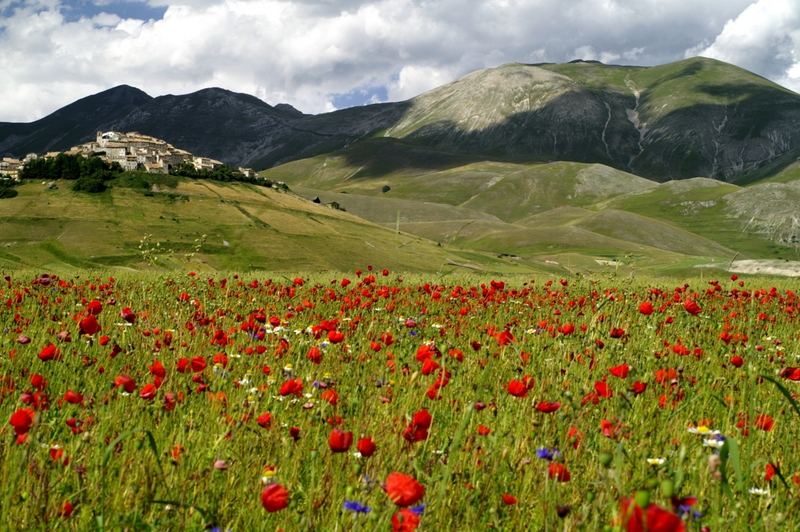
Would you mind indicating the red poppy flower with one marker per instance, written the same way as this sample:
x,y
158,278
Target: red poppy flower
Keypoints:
x,y
330,396
292,386
274,498
737,361
66,509
366,446
128,315
124,381
793,374
558,471
567,329
403,490
405,521
691,306
483,430
198,364
646,308
49,352
422,418
340,441
638,387
764,422
148,391
617,332
264,420
654,519
314,355
620,371
335,337
509,499
517,388
73,397
603,389
89,325
547,407
769,472
94,307
504,338
22,420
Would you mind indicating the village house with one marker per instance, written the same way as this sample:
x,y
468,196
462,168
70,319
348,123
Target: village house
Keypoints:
x,y
9,168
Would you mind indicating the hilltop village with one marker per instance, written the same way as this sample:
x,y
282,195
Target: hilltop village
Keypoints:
x,y
131,150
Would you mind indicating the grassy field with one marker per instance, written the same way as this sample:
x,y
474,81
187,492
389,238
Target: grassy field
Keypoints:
x,y
188,401
206,225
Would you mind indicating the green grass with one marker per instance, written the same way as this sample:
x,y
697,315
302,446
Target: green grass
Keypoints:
x,y
204,225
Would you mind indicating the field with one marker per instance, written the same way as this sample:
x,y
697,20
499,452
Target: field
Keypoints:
x,y
373,400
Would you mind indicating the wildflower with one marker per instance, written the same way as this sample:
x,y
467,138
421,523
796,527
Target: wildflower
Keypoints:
x,y
403,490
558,471
366,447
547,407
633,518
21,420
656,461
646,308
759,491
547,454
691,306
405,521
274,498
356,507
340,441
509,499
702,430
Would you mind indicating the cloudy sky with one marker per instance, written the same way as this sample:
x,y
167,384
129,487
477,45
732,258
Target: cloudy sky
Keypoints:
x,y
326,54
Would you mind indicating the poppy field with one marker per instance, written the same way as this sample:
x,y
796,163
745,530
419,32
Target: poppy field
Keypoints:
x,y
378,401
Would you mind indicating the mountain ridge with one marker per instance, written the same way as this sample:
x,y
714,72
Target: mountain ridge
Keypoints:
x,y
695,117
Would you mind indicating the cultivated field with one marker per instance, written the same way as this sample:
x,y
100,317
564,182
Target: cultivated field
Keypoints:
x,y
373,400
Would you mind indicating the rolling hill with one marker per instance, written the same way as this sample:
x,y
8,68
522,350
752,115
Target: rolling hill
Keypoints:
x,y
246,227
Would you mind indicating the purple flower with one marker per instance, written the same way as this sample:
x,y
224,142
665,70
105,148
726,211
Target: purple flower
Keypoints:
x,y
547,454
357,507
418,509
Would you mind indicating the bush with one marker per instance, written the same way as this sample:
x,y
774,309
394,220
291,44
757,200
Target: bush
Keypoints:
x,y
92,185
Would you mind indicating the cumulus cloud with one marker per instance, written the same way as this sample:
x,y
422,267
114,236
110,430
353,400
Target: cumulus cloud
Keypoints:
x,y
764,38
310,52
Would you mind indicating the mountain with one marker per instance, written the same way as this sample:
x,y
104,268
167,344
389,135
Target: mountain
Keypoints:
x,y
71,125
696,117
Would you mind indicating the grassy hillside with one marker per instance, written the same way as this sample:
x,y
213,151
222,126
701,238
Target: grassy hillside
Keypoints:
x,y
246,227
540,213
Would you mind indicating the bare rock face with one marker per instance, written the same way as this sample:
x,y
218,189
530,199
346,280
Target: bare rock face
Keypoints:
x,y
697,117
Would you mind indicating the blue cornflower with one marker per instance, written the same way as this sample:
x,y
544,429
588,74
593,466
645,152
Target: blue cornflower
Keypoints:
x,y
357,507
418,509
547,454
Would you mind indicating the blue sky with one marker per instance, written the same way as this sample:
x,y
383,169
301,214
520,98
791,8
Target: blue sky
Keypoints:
x,y
130,9
321,55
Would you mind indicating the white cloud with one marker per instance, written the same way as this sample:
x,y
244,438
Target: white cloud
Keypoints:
x,y
305,52
765,38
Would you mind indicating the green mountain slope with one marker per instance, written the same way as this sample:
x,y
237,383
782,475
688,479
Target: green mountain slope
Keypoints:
x,y
246,227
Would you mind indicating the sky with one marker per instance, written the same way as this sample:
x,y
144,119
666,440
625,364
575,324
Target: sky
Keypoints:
x,y
322,55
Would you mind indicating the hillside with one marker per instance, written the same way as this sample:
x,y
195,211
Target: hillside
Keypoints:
x,y
696,117
247,227
542,213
